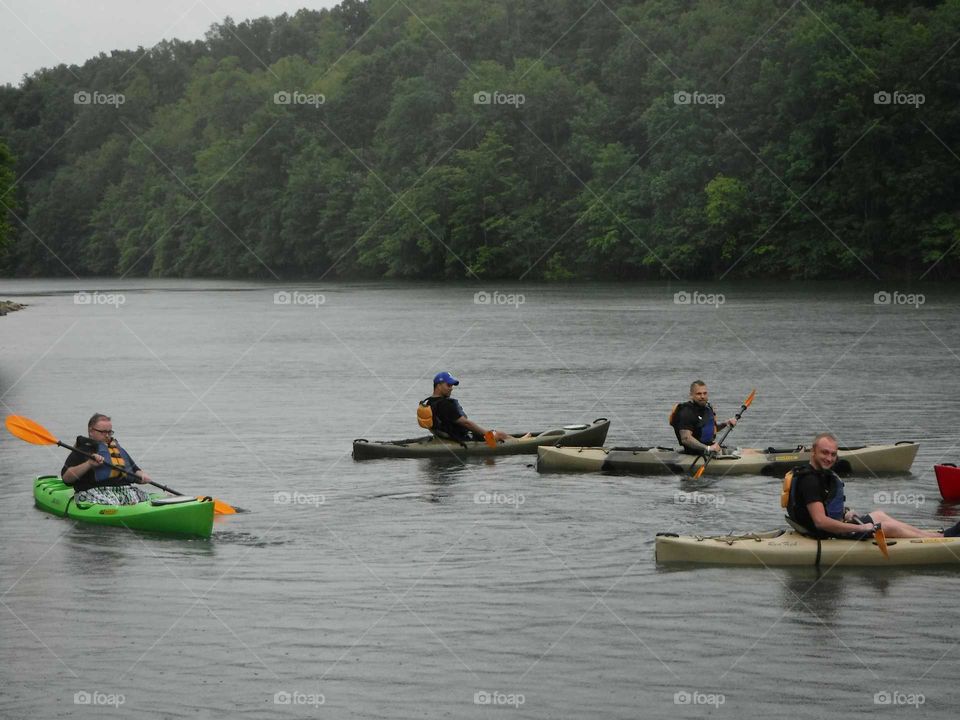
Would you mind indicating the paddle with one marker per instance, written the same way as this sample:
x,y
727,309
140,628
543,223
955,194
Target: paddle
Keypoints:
x,y
741,411
881,540
490,438
32,432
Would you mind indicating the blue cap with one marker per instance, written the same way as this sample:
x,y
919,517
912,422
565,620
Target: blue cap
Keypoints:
x,y
445,377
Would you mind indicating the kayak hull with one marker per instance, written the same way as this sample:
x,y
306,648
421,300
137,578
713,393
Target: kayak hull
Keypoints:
x,y
867,460
194,517
948,480
433,447
783,548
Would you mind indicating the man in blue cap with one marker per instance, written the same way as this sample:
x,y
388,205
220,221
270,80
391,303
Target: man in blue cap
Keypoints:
x,y
443,416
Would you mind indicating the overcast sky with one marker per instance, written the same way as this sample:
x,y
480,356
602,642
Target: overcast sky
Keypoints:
x,y
45,33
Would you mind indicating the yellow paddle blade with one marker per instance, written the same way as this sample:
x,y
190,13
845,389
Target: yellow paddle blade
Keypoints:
x,y
881,541
27,429
490,438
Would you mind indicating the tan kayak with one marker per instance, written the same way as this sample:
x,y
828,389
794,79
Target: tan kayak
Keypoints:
x,y
865,460
519,444
787,547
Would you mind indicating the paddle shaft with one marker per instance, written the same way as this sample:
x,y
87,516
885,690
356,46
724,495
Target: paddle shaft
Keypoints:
x,y
117,467
727,430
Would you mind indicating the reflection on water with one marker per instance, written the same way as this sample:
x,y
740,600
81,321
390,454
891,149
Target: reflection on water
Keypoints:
x,y
813,592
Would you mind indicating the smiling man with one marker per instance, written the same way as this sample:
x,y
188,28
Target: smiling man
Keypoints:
x,y
816,501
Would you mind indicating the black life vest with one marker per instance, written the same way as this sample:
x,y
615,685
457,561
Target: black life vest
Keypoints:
x,y
832,506
705,429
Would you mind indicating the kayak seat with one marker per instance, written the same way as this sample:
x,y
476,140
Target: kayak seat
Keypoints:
x,y
787,451
173,500
797,526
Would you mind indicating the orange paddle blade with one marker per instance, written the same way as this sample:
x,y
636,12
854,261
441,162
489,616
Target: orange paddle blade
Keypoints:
x,y
490,438
27,429
221,508
699,472
881,541
753,393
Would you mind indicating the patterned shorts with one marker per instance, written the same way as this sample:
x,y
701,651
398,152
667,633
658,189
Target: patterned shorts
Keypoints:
x,y
118,495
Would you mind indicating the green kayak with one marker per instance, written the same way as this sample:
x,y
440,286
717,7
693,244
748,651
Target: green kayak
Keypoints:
x,y
176,515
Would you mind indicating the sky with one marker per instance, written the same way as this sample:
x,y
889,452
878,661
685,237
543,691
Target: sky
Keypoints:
x,y
45,33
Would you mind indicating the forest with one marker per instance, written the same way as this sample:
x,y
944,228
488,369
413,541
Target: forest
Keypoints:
x,y
534,140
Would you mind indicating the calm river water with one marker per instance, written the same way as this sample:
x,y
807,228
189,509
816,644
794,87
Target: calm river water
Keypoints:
x,y
382,589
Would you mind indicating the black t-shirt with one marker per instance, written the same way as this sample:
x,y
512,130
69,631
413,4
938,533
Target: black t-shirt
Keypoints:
x,y
692,417
448,411
89,479
811,485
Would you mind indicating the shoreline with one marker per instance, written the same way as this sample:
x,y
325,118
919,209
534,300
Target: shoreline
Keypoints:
x,y
8,306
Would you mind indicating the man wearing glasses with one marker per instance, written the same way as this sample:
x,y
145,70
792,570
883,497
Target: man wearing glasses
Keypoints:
x,y
94,480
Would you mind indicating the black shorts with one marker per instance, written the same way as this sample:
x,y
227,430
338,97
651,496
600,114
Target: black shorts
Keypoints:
x,y
820,535
858,535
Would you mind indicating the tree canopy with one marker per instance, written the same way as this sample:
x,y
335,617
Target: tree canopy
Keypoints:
x,y
548,139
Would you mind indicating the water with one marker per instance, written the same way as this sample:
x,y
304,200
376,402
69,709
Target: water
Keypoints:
x,y
385,590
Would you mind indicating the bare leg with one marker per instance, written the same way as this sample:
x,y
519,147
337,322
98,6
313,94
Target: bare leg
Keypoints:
x,y
897,529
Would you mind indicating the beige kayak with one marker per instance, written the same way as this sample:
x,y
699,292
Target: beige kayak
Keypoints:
x,y
865,460
787,547
519,444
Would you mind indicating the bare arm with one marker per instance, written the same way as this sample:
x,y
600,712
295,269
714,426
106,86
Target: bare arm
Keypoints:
x,y
75,472
828,524
691,443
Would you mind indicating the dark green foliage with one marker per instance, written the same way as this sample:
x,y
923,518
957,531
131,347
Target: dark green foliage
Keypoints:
x,y
386,161
8,194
